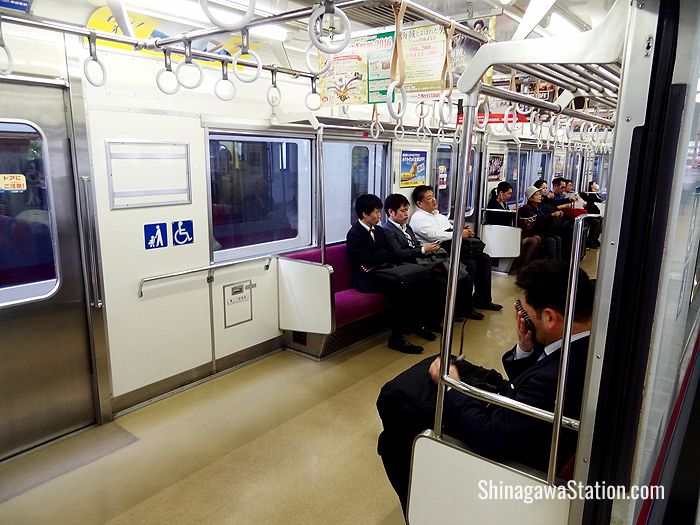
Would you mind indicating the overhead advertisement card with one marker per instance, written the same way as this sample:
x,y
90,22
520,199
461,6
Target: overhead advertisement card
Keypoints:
x,y
361,73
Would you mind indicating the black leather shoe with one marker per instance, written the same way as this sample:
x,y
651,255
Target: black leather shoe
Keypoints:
x,y
477,316
494,307
423,332
402,345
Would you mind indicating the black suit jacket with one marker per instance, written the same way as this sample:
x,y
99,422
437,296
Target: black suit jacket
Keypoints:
x,y
402,251
363,251
501,433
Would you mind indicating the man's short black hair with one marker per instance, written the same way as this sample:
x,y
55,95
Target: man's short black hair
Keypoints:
x,y
419,192
545,284
394,202
538,183
366,204
556,181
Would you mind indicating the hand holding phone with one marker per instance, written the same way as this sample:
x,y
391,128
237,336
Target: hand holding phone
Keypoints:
x,y
526,328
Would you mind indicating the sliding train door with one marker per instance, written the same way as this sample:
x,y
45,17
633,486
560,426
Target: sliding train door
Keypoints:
x,y
46,386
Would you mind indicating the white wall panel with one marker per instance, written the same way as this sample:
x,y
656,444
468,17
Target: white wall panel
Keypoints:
x,y
305,296
167,331
264,324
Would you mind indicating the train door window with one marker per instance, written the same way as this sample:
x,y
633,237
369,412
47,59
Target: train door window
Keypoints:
x,y
443,182
517,175
350,169
29,266
260,195
540,167
601,172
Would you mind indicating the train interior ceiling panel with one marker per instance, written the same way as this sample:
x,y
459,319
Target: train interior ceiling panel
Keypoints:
x,y
361,261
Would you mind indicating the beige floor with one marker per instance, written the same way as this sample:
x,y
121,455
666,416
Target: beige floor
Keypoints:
x,y
284,440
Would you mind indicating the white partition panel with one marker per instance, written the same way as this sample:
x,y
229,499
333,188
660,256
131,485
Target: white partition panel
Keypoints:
x,y
244,303
305,296
501,241
451,486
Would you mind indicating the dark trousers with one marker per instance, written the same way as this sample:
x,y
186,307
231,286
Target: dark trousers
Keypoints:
x,y
479,268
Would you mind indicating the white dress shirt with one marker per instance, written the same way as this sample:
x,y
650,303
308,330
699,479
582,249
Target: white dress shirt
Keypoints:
x,y
550,348
370,229
430,227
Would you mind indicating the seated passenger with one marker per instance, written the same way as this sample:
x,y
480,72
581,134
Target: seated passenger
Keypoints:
x,y
534,221
500,195
430,226
405,247
406,404
592,197
368,251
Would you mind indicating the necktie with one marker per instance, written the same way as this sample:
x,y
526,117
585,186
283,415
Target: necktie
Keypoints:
x,y
410,241
371,232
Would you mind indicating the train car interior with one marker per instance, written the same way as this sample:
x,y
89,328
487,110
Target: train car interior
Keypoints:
x,y
186,330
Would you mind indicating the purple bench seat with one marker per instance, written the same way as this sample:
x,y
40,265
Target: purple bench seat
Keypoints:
x,y
350,305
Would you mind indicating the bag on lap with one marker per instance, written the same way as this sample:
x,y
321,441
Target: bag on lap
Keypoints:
x,y
404,274
472,246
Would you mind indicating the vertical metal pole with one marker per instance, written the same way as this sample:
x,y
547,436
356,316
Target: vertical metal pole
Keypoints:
x,y
566,345
517,192
321,196
453,275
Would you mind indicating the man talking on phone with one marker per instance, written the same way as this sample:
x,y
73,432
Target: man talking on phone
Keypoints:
x,y
430,226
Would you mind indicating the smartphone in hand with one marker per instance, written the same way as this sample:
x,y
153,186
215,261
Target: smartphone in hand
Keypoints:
x,y
528,322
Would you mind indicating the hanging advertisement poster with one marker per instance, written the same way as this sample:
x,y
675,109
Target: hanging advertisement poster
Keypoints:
x,y
413,168
495,166
361,73
559,157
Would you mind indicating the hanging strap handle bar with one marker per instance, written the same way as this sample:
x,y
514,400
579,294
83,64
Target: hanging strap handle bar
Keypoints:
x,y
230,26
7,70
375,128
274,95
168,68
316,97
188,62
447,69
328,8
422,112
312,69
92,42
398,66
245,50
224,88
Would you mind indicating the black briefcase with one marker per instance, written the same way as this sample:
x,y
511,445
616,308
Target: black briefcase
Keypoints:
x,y
404,274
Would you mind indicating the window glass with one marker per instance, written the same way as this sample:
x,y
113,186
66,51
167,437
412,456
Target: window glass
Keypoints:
x,y
260,195
443,178
350,169
27,251
601,170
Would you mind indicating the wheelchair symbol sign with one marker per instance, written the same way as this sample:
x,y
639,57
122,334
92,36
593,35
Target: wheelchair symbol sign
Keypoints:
x,y
183,233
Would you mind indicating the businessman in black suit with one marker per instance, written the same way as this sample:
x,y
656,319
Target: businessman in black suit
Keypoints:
x,y
405,247
368,250
532,367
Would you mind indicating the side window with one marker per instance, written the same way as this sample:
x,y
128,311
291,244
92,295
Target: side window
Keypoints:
x,y
260,195
350,169
445,189
28,255
359,173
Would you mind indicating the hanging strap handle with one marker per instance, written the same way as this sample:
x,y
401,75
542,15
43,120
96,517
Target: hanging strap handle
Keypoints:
x,y
397,59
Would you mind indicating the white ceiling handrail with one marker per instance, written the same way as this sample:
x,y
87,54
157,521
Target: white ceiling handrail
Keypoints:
x,y
601,45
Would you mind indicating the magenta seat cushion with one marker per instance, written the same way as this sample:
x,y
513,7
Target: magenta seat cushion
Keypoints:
x,y
351,305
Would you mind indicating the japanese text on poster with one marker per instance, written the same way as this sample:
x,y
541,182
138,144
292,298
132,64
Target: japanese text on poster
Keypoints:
x,y
413,168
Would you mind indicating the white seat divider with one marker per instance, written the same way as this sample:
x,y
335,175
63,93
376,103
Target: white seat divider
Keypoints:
x,y
452,486
501,241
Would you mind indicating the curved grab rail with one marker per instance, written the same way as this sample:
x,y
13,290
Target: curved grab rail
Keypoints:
x,y
7,70
230,26
202,269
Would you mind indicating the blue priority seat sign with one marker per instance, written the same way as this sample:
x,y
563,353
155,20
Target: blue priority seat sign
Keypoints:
x,y
155,235
183,232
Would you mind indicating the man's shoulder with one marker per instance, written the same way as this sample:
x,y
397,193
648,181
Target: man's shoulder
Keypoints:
x,y
390,228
